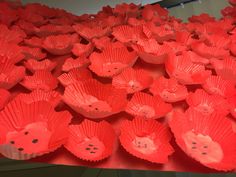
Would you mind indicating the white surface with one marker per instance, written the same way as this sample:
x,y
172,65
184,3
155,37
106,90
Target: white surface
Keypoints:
x,y
85,6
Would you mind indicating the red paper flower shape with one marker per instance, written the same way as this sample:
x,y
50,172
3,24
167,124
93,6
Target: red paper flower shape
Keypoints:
x,y
132,80
126,33
112,61
136,22
129,10
28,27
95,100
35,53
225,68
176,47
91,141
152,52
89,32
9,36
10,74
218,41
219,86
50,29
232,2
34,65
75,75
11,52
206,138
7,14
146,139
32,17
52,97
185,71
5,97
102,42
207,104
184,37
202,18
71,63
82,50
233,49
60,44
30,130
34,42
209,52
145,105
169,89
195,58
41,79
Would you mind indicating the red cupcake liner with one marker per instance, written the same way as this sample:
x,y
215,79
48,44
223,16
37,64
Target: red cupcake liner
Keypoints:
x,y
5,97
41,79
34,42
75,75
232,2
148,106
151,11
82,50
136,22
225,68
195,58
52,97
218,41
112,61
206,138
130,10
176,47
146,139
232,102
219,86
70,63
207,104
113,20
169,89
184,37
132,80
7,14
33,53
185,71
202,18
90,141
34,65
50,29
60,44
11,51
102,42
95,100
233,48
10,74
30,130
9,36
28,27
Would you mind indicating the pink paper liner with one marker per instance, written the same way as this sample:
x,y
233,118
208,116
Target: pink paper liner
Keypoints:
x,y
169,89
70,63
41,79
133,80
18,117
90,141
146,139
95,100
145,105
34,65
207,104
112,61
75,75
60,44
213,131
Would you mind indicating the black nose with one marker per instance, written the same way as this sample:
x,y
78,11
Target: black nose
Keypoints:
x,y
20,149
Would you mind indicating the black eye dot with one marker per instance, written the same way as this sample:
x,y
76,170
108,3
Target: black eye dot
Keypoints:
x,y
20,149
204,153
96,109
12,142
87,149
35,141
194,143
26,133
115,68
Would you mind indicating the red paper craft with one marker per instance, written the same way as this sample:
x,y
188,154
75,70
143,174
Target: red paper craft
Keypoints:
x,y
232,102
82,50
34,65
5,97
206,138
71,63
95,100
30,130
91,141
146,139
50,29
169,89
35,53
34,42
202,18
148,106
